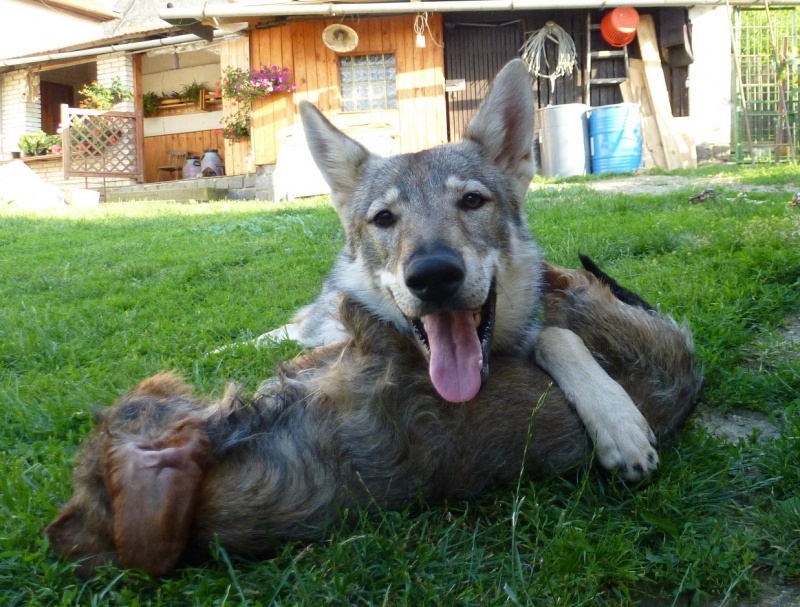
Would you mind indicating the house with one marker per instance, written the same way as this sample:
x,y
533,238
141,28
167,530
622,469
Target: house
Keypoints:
x,y
428,64
80,42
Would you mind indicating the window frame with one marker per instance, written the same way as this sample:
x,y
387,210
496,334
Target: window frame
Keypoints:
x,y
353,102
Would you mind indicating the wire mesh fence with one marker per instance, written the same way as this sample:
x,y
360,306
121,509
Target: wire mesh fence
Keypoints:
x,y
766,126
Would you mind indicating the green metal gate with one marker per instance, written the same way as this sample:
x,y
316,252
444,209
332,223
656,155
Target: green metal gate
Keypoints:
x,y
766,127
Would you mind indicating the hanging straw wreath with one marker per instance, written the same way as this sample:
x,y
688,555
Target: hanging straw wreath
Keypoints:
x,y
534,50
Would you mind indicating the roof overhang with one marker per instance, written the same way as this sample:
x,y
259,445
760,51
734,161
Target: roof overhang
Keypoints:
x,y
91,52
215,13
84,8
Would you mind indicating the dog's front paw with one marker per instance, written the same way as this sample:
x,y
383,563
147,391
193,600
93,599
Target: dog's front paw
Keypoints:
x,y
626,444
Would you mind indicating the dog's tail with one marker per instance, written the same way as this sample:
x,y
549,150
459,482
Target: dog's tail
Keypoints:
x,y
620,292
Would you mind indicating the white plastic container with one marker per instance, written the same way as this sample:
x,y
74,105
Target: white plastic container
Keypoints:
x,y
211,160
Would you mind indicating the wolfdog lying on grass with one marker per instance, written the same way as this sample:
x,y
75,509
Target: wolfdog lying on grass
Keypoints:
x,y
352,425
438,245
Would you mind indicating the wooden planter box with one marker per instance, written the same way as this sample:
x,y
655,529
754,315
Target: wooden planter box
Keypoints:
x,y
208,103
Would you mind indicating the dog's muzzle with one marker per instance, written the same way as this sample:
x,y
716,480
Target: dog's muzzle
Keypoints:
x,y
456,340
435,276
458,344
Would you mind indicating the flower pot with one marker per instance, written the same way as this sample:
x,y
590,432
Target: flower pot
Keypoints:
x,y
15,155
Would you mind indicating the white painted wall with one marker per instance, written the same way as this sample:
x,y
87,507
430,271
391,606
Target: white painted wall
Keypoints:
x,y
710,103
40,28
164,83
20,108
183,123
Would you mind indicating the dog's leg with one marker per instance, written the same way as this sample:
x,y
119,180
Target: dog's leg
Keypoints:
x,y
288,331
623,439
314,325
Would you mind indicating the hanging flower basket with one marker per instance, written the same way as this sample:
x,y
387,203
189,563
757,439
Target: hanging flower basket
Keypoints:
x,y
242,86
246,85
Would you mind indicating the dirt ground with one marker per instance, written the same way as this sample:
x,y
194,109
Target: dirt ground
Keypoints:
x,y
770,596
659,184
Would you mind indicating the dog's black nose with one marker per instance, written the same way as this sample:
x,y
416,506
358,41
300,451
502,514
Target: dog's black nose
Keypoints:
x,y
435,275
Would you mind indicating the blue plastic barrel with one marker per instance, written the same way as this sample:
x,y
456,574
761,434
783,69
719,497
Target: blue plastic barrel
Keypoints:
x,y
615,138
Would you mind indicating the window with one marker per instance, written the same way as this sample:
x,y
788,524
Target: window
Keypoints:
x,y
368,82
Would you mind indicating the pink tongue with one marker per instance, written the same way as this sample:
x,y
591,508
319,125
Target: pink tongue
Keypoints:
x,y
455,366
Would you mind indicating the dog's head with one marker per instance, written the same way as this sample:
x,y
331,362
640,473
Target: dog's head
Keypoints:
x,y
136,482
438,239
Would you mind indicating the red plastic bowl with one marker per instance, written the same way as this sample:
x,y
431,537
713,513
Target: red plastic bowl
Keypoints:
x,y
618,27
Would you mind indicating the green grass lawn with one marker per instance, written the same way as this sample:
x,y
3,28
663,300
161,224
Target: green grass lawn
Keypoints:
x,y
93,301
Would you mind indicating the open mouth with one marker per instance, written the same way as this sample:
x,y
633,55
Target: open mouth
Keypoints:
x,y
458,343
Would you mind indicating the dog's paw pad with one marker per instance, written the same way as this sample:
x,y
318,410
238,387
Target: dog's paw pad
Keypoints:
x,y
628,449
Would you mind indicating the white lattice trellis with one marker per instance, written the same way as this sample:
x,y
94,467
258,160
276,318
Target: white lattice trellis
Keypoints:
x,y
100,144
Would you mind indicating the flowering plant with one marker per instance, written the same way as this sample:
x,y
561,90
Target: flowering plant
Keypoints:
x,y
246,85
97,96
242,86
236,127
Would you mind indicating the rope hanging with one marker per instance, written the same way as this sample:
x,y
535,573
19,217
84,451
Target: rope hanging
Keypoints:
x,y
534,49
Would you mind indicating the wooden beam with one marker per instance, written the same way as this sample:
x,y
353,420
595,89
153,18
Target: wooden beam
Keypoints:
x,y
651,136
657,89
628,96
683,126
138,103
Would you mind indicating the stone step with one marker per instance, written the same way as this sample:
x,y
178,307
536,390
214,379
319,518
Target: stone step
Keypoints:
x,y
200,194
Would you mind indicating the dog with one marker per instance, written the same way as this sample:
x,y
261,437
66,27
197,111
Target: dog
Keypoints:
x,y
438,245
353,425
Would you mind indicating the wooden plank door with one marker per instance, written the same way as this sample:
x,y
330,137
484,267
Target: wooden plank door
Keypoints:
x,y
53,96
473,54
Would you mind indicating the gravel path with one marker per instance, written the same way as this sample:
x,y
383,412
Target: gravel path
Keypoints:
x,y
660,184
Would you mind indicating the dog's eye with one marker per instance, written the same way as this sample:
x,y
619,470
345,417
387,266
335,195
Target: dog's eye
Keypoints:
x,y
384,219
472,200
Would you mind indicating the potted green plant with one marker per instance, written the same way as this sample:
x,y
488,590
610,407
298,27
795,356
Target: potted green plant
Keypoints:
x,y
34,144
53,144
192,92
150,104
243,86
98,96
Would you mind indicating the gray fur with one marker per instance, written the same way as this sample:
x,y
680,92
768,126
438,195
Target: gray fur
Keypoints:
x,y
358,425
423,190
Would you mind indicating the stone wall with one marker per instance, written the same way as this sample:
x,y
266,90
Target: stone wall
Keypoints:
x,y
117,65
20,108
256,186
50,169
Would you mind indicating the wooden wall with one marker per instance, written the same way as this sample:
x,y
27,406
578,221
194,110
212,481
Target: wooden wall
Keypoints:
x,y
235,53
156,148
420,118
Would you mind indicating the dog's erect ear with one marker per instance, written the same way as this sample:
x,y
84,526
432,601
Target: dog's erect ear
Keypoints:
x,y
339,158
153,488
504,124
